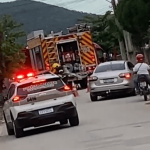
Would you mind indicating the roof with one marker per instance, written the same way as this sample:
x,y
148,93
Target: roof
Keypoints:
x,y
112,62
39,77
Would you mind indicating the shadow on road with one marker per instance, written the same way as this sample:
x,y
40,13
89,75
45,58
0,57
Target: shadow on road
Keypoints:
x,y
36,132
45,129
114,97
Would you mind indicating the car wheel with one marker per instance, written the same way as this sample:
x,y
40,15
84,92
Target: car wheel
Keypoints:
x,y
74,121
133,93
83,83
62,122
10,130
145,95
17,131
93,97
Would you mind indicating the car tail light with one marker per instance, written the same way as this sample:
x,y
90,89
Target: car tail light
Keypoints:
x,y
67,88
93,78
64,88
38,81
125,75
16,99
19,98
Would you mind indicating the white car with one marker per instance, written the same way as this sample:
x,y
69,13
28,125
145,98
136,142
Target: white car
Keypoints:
x,y
111,78
38,101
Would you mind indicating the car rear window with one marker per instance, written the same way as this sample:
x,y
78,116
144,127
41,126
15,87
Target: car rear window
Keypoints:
x,y
29,88
110,67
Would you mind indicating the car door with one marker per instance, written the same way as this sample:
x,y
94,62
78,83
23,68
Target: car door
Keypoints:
x,y
8,103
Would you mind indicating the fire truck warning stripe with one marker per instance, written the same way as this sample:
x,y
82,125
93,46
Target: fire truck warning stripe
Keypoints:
x,y
87,39
91,52
86,55
44,49
88,43
88,61
88,35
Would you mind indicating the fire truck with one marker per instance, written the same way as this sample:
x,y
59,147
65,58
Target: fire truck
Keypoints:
x,y
76,50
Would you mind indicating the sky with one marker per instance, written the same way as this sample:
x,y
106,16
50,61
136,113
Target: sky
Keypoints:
x,y
90,6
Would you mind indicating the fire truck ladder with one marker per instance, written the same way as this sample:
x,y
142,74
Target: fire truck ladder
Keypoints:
x,y
52,53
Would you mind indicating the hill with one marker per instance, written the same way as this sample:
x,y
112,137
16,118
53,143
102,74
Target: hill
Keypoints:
x,y
38,15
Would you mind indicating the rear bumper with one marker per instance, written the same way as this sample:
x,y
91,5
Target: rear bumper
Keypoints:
x,y
33,119
111,89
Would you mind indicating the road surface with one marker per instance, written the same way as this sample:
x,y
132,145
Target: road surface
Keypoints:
x,y
114,124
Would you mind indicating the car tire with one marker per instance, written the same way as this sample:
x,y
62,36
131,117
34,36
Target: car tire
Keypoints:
x,y
74,121
17,131
133,93
62,122
10,131
83,83
145,95
93,97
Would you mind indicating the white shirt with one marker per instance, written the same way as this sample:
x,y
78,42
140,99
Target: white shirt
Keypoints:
x,y
144,68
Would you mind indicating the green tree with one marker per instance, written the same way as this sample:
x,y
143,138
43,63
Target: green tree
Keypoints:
x,y
11,55
133,15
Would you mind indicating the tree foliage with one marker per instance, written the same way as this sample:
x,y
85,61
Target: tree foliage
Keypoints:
x,y
11,52
133,15
104,30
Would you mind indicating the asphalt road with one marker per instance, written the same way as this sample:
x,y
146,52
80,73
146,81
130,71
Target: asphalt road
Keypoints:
x,y
114,124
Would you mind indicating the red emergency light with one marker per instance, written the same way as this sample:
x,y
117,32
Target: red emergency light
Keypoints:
x,y
24,74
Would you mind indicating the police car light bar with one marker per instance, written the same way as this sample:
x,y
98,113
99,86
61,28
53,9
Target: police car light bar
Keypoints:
x,y
37,81
31,74
20,76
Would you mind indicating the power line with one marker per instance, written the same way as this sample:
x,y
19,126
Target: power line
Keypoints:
x,y
72,3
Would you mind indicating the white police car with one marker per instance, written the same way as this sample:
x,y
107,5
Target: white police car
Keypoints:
x,y
37,101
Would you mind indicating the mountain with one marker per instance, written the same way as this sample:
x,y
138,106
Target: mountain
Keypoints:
x,y
37,15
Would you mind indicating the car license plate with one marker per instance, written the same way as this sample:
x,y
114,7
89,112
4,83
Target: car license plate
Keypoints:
x,y
109,81
142,84
46,111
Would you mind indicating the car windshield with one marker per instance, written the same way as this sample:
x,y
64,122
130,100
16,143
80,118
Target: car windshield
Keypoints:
x,y
110,67
29,88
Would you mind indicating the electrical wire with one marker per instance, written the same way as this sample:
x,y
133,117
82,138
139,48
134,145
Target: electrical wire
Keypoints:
x,y
72,3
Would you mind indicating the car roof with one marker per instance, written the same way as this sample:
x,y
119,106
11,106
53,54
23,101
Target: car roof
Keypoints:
x,y
38,77
112,62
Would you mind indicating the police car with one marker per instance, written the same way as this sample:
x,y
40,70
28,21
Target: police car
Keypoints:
x,y
38,100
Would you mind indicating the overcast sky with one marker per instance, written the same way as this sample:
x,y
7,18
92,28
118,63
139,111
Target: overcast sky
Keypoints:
x,y
89,6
